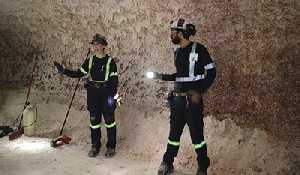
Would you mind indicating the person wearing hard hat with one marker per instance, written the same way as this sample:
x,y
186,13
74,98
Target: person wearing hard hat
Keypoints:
x,y
195,73
102,82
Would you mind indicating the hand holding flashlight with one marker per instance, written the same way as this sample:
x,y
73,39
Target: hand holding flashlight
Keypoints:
x,y
154,75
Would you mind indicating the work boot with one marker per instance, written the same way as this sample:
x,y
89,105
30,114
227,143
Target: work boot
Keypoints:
x,y
110,152
201,172
165,169
94,151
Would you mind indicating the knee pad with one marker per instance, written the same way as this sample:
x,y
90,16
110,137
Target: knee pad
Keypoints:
x,y
95,118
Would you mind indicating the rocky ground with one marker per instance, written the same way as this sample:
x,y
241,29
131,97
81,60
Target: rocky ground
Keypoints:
x,y
141,144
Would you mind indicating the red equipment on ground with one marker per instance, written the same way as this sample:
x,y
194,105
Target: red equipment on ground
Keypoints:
x,y
63,139
20,129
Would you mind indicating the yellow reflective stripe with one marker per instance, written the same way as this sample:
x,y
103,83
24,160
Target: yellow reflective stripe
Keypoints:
x,y
95,126
82,70
196,146
90,67
173,143
106,72
111,125
107,68
99,81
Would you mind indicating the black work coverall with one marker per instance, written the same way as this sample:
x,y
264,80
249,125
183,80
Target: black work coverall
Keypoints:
x,y
192,73
101,88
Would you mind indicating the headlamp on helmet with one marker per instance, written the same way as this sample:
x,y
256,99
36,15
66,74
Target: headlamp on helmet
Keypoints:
x,y
182,26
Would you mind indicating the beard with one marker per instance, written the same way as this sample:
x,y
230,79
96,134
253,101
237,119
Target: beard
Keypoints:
x,y
175,40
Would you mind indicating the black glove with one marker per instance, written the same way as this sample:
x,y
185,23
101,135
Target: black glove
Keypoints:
x,y
157,76
59,67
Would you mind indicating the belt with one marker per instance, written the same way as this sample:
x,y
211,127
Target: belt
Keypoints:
x,y
96,84
181,94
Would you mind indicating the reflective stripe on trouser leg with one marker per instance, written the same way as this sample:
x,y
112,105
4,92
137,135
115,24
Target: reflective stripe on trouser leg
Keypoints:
x,y
95,125
197,146
177,122
110,125
174,143
196,124
203,160
172,150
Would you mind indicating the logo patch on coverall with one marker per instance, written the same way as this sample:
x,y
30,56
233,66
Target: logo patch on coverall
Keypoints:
x,y
111,101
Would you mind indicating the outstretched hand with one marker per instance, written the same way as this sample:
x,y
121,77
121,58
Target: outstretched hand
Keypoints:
x,y
59,67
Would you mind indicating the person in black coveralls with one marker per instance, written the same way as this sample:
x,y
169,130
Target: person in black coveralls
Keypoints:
x,y
195,73
102,82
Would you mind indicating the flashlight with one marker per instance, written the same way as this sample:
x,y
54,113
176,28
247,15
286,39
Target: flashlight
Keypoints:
x,y
150,75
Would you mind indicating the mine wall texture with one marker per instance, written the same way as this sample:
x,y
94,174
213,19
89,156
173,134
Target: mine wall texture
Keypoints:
x,y
255,45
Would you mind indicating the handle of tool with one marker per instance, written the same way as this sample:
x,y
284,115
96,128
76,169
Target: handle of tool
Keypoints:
x,y
67,114
28,91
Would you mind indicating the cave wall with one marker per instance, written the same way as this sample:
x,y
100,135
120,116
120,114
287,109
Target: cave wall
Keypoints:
x,y
255,45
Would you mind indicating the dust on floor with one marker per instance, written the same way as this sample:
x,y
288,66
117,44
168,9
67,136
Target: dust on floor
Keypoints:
x,y
34,156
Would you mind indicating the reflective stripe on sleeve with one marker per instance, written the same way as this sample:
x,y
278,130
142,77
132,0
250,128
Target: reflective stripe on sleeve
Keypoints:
x,y
209,66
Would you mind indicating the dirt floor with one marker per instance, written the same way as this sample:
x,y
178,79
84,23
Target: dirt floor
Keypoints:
x,y
142,137
34,156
